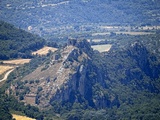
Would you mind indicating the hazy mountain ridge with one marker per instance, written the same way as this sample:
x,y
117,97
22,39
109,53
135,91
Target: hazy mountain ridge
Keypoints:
x,y
57,16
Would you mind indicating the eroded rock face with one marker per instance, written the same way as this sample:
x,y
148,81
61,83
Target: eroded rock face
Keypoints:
x,y
86,82
79,86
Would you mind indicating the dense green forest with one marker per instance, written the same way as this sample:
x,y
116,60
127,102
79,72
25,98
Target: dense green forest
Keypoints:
x,y
9,103
58,17
24,13
17,43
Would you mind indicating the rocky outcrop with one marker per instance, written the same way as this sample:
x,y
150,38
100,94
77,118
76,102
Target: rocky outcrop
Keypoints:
x,y
144,60
69,77
135,67
79,86
86,83
80,75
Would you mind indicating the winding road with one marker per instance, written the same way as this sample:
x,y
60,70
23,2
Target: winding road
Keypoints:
x,y
6,75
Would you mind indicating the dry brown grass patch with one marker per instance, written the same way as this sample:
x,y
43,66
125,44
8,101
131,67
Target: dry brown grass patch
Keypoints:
x,y
44,50
18,61
4,68
18,117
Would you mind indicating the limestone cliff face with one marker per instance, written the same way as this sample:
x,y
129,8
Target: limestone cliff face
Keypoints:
x,y
86,83
79,86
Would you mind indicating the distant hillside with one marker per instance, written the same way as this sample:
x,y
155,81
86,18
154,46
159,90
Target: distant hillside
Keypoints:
x,y
61,12
16,43
48,16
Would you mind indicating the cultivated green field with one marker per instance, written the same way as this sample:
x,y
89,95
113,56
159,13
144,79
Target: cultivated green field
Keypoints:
x,y
102,48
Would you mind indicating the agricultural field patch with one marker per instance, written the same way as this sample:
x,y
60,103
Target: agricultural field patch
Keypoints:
x,y
19,117
17,61
123,32
135,33
98,40
4,68
44,50
102,48
101,33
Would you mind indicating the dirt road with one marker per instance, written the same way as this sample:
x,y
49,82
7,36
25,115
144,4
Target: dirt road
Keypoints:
x,y
6,75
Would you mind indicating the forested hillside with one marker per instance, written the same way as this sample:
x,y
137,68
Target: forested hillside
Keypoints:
x,y
120,84
9,103
61,12
131,89
60,16
17,43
